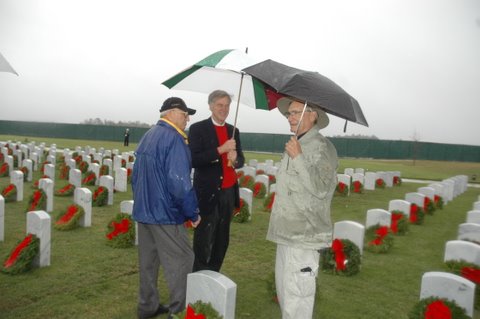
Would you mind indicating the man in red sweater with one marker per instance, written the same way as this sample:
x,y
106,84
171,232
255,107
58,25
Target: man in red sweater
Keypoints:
x,y
216,153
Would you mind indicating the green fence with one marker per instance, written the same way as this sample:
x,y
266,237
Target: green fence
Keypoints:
x,y
274,143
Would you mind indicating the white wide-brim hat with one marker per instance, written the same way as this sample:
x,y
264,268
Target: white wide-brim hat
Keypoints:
x,y
322,120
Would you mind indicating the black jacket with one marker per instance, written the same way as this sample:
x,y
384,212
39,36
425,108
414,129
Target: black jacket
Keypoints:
x,y
208,175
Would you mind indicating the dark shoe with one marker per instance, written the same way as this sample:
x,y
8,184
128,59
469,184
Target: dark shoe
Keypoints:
x,y
161,309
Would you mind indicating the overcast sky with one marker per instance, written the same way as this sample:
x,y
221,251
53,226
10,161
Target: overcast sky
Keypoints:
x,y
413,65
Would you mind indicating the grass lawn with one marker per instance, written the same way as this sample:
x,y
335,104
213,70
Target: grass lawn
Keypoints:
x,y
88,279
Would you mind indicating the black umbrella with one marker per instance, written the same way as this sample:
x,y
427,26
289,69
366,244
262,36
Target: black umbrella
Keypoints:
x,y
310,87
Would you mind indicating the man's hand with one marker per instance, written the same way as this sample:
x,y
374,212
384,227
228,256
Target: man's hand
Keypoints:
x,y
228,146
195,224
293,147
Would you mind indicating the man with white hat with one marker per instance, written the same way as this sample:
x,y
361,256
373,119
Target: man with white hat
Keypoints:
x,y
300,222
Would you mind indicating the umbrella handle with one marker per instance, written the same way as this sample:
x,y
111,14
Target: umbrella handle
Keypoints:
x,y
230,164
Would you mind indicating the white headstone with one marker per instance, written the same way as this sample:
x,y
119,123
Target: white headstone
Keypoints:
x,y
121,179
389,178
107,182
2,218
75,177
18,153
253,163
462,250
345,179
415,198
247,195
126,207
9,161
52,159
95,168
272,170
370,178
440,190
39,223
16,178
449,187
29,165
250,170
35,158
213,287
449,286
350,230
358,177
273,188
427,191
109,163
473,216
401,205
359,170
476,205
469,231
46,184
117,162
83,198
71,163
349,171
261,167
378,216
49,170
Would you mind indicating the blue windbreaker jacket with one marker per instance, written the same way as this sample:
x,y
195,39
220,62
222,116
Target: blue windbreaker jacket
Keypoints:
x,y
161,183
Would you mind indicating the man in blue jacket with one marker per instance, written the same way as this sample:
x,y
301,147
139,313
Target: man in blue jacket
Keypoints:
x,y
164,199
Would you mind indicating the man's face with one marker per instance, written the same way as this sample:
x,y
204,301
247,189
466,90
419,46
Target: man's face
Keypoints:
x,y
220,109
295,112
178,117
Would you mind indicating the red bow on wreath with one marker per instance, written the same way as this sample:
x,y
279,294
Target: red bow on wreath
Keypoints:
x,y
471,274
381,233
394,225
413,213
337,248
119,228
192,315
438,310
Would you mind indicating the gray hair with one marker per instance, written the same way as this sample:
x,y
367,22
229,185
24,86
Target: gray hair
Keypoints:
x,y
218,94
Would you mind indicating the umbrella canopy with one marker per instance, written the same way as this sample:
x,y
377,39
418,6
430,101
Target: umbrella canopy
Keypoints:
x,y
222,70
310,87
5,66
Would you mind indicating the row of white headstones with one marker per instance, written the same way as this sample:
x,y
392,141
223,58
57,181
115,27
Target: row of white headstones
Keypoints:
x,y
433,284
205,285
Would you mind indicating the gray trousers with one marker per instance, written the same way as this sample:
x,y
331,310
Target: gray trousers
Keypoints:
x,y
168,246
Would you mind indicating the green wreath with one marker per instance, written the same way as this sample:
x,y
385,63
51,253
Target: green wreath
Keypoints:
x,y
90,179
421,307
37,201
400,221
64,171
352,259
397,181
272,179
341,189
24,170
100,196
4,170
121,231
259,190
268,202
104,170
198,308
438,202
246,181
67,190
129,175
429,206
9,193
83,166
241,214
378,238
416,214
357,187
20,258
69,219
379,183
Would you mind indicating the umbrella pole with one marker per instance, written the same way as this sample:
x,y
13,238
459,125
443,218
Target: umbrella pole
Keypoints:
x,y
230,164
298,126
238,104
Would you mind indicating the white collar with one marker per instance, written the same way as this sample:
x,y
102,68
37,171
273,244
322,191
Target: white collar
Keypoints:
x,y
215,123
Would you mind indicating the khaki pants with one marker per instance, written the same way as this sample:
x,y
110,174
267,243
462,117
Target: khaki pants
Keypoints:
x,y
295,279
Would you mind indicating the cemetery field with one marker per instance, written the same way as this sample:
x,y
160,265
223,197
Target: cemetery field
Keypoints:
x,y
89,279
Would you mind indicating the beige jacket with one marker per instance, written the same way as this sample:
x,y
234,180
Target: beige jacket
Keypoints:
x,y
301,211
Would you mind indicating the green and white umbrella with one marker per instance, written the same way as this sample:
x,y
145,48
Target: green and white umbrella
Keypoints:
x,y
222,70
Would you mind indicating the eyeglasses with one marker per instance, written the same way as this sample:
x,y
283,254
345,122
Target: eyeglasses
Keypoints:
x,y
295,113
182,112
